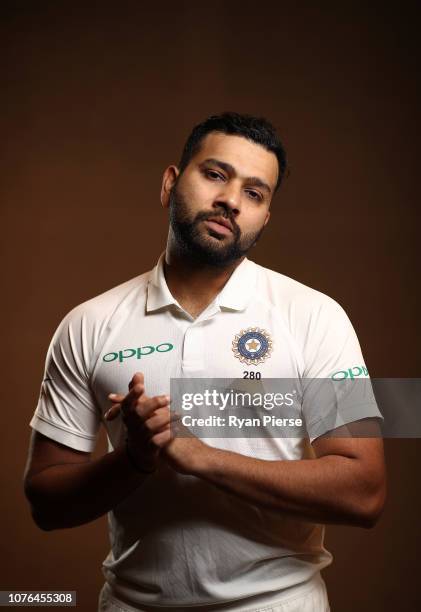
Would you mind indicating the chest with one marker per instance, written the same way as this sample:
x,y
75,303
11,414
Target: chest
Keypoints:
x,y
244,345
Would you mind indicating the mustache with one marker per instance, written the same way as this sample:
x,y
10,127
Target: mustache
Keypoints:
x,y
219,212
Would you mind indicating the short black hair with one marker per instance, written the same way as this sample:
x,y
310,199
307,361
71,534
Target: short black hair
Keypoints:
x,y
256,129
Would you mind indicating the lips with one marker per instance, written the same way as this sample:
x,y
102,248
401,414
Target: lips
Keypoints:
x,y
221,221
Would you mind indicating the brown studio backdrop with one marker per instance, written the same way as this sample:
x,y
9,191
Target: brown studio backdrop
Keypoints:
x,y
97,99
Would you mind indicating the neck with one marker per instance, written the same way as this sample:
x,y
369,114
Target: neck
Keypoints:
x,y
193,284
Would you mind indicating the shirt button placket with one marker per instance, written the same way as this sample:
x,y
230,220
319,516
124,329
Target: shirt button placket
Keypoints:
x,y
193,350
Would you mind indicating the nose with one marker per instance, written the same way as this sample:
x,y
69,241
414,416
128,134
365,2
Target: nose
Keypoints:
x,y
229,198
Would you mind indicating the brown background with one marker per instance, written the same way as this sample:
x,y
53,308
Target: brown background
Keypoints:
x,y
97,98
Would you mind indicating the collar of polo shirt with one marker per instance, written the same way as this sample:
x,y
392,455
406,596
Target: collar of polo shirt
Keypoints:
x,y
235,295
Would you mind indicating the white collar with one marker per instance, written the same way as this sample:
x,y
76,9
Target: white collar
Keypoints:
x,y
235,295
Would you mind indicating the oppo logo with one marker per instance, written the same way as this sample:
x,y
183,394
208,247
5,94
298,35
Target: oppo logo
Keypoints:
x,y
137,353
353,372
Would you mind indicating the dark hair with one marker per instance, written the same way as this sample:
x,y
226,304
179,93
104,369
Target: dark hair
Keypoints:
x,y
256,129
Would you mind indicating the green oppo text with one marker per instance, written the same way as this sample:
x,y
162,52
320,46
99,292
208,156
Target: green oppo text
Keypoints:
x,y
138,353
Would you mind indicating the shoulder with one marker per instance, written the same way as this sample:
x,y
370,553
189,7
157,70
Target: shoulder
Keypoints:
x,y
99,312
292,297
322,330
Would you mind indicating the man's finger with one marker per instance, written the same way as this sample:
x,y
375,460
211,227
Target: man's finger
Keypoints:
x,y
128,405
113,412
138,378
136,391
159,419
145,407
162,438
116,397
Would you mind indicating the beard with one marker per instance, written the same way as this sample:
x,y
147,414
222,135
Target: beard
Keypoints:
x,y
203,245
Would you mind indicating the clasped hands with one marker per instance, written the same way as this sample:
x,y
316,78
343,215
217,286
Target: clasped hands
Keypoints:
x,y
151,427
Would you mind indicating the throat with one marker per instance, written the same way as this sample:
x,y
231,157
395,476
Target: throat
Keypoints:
x,y
194,286
194,307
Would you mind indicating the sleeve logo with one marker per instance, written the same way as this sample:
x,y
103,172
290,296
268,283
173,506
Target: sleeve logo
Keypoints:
x,y
353,372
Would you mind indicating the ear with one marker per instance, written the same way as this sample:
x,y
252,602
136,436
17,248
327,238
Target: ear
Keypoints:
x,y
267,218
168,179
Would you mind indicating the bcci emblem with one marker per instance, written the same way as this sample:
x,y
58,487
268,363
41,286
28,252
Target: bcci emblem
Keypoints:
x,y
252,345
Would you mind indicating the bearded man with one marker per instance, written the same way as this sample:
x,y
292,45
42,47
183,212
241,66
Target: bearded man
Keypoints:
x,y
232,524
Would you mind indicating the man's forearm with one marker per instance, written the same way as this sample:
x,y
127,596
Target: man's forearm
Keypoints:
x,y
67,495
330,489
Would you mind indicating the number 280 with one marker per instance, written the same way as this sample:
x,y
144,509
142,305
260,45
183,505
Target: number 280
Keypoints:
x,y
255,375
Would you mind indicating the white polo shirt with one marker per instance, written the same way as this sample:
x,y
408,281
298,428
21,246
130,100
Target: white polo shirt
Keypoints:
x,y
178,540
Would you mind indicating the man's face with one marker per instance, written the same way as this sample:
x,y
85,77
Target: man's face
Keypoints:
x,y
219,205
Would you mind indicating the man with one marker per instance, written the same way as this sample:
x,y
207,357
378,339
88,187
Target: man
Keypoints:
x,y
234,524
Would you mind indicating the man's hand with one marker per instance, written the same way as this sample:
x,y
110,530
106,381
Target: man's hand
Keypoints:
x,y
186,454
150,434
147,420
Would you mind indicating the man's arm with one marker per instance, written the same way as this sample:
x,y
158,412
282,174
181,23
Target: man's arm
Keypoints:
x,y
65,488
344,484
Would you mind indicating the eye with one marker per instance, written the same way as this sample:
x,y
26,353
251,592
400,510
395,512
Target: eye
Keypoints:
x,y
254,195
213,175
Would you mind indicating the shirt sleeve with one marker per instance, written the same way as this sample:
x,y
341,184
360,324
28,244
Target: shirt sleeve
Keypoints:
x,y
336,386
66,410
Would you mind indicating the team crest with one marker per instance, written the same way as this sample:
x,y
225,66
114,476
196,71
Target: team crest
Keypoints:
x,y
252,346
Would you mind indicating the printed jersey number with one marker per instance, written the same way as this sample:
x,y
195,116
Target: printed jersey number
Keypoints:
x,y
255,375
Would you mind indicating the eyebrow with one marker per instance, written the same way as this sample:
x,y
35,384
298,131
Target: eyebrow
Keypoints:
x,y
253,180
